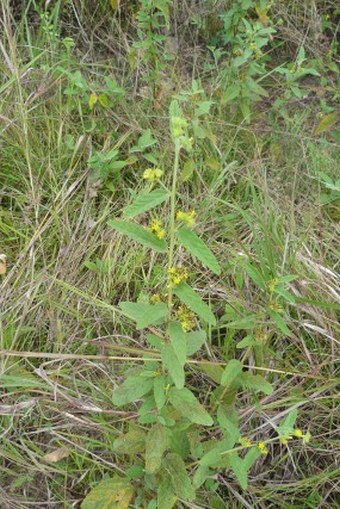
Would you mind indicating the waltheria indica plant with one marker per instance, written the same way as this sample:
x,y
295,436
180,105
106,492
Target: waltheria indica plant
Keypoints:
x,y
173,453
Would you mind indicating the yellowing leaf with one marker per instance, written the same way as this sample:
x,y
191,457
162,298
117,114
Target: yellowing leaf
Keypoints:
x,y
103,100
114,493
3,267
326,123
114,4
93,99
56,455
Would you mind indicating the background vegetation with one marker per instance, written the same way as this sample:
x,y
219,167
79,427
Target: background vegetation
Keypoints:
x,y
93,412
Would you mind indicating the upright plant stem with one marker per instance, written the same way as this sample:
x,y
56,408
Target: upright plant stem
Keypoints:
x,y
172,218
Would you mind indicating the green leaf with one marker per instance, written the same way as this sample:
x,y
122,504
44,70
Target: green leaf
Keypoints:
x,y
144,314
172,364
198,249
180,480
159,391
255,275
286,427
239,468
166,499
326,123
156,444
139,234
178,341
191,299
231,93
187,405
195,340
251,457
201,475
145,201
231,372
256,383
280,323
145,141
114,493
131,442
133,388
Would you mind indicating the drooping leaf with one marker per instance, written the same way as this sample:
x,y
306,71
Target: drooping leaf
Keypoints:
x,y
144,314
191,299
156,444
198,249
139,234
256,383
186,403
146,200
114,493
178,341
133,388
172,364
195,340
231,372
180,480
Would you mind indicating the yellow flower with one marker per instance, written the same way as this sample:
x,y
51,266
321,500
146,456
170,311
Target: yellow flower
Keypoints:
x,y
284,440
187,217
262,448
156,228
156,298
245,442
272,284
298,433
186,317
177,275
274,305
152,174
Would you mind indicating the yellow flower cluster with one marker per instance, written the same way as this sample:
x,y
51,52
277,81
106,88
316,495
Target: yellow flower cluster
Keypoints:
x,y
297,433
177,275
274,305
156,228
262,448
187,217
186,317
245,442
156,298
152,174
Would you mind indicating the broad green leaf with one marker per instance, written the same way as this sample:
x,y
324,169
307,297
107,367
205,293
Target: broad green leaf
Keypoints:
x,y
280,323
144,314
191,299
159,391
146,201
239,468
156,444
286,427
172,364
201,475
133,388
186,403
251,457
195,340
231,372
256,383
180,480
145,141
198,249
214,371
114,493
326,123
255,275
166,499
178,341
131,442
231,93
139,234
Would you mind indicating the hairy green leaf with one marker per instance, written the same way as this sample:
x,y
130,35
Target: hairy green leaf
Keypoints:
x,y
145,201
166,499
198,249
139,234
186,403
256,383
144,314
131,442
232,370
191,299
175,368
156,444
133,388
178,341
114,493
195,340
180,480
